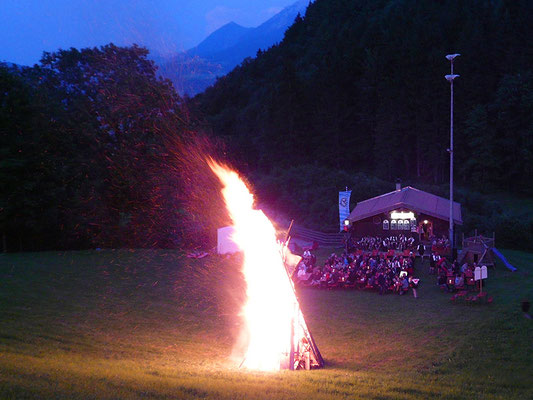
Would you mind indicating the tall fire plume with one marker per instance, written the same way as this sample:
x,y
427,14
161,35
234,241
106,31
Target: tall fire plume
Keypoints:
x,y
275,331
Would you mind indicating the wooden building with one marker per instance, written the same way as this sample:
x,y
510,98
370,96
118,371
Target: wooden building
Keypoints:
x,y
407,211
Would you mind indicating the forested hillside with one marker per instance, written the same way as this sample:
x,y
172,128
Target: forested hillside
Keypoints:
x,y
359,85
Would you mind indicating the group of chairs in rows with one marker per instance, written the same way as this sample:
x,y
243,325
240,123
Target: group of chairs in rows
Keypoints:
x,y
400,286
363,272
458,280
475,298
384,254
453,282
384,244
440,246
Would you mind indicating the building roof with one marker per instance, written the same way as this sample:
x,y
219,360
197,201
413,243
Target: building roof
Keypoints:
x,y
411,198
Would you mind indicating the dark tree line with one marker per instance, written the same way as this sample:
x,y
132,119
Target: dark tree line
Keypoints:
x,y
359,85
83,152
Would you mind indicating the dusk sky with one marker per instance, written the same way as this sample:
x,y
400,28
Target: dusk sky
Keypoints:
x,y
30,27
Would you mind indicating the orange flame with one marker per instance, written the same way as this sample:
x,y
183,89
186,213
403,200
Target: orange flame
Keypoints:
x,y
271,307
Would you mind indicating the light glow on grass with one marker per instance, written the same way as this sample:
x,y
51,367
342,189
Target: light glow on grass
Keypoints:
x,y
94,324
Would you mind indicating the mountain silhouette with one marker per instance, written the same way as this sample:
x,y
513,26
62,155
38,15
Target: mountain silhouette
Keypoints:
x,y
194,70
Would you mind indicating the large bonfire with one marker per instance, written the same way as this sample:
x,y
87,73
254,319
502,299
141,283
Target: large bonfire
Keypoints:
x,y
276,334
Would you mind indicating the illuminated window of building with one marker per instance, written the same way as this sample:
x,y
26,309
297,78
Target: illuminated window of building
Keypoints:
x,y
406,225
385,224
393,224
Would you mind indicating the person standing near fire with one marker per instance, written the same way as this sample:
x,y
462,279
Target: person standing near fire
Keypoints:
x,y
421,250
413,284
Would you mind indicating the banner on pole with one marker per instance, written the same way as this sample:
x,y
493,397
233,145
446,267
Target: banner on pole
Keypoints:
x,y
344,207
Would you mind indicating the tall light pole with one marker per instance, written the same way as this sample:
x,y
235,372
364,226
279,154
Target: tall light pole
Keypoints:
x,y
450,79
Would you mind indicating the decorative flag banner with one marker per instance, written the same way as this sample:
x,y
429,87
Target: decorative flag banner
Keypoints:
x,y
344,207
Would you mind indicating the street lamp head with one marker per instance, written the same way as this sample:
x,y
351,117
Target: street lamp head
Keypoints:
x,y
450,78
451,57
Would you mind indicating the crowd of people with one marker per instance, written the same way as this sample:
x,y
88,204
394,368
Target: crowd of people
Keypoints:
x,y
440,245
382,274
442,241
394,242
371,266
451,276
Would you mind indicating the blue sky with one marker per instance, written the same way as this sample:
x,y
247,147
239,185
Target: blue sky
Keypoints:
x,y
29,27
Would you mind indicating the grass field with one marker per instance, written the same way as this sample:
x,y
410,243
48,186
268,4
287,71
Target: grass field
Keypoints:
x,y
154,324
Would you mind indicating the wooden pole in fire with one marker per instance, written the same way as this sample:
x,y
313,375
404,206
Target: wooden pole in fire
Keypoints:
x,y
291,353
312,345
295,308
289,231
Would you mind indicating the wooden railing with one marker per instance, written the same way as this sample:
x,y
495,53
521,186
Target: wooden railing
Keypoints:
x,y
323,239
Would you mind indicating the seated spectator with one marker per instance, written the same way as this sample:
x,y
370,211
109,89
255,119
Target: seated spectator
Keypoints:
x,y
442,266
459,281
455,267
405,285
464,268
450,283
301,272
334,278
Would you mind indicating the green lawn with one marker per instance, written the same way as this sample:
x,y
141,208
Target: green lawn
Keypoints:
x,y
153,324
